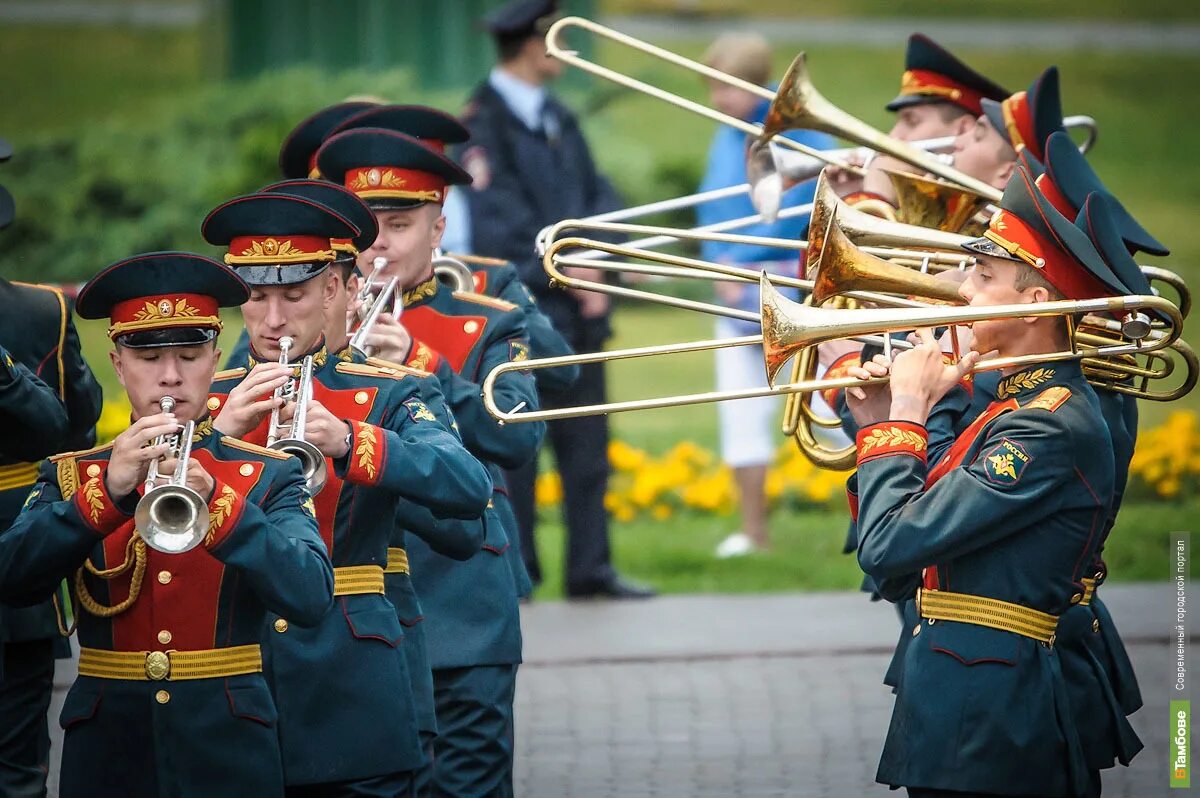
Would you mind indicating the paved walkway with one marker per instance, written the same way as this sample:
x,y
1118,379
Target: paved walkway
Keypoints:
x,y
748,695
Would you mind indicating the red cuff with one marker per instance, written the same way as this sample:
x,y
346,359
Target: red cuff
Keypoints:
x,y
224,511
368,451
892,437
422,356
96,506
840,368
852,500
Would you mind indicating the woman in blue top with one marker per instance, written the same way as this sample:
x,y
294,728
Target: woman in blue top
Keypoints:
x,y
747,439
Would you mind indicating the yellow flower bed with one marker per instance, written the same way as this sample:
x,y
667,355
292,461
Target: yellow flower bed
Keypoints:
x,y
689,477
1166,462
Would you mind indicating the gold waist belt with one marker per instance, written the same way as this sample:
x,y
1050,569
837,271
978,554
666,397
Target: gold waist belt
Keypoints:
x,y
354,580
174,666
18,475
1089,590
943,605
397,562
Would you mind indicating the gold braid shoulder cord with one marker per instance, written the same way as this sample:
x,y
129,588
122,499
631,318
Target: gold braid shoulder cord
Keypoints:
x,y
136,547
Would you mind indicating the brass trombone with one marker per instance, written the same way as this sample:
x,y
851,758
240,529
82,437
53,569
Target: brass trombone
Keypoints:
x,y
790,327
289,438
171,517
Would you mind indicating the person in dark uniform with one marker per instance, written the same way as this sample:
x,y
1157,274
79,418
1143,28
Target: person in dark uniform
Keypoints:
x,y
474,645
1039,459
531,167
381,444
170,698
49,394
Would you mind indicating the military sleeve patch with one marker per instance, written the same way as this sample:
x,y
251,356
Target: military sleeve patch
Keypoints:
x,y
418,410
518,351
32,497
475,162
1005,463
308,507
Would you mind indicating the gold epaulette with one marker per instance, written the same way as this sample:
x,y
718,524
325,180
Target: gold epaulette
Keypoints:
x,y
379,362
229,374
482,260
1050,399
253,448
480,299
391,371
82,453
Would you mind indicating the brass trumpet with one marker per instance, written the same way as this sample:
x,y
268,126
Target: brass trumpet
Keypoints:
x,y
371,305
171,517
289,438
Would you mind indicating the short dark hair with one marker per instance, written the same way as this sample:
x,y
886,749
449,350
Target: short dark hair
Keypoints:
x,y
508,46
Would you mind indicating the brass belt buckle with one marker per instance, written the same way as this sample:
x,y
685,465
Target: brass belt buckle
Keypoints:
x,y
158,666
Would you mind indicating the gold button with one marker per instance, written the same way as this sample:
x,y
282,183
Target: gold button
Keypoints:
x,y
164,637
93,470
916,630
164,577
470,327
1078,597
213,403
246,469
281,625
162,696
1096,625
360,398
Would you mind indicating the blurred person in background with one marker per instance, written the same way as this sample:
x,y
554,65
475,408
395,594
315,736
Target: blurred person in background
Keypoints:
x,y
531,167
748,439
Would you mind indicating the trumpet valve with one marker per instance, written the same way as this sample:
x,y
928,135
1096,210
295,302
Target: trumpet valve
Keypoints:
x,y
1135,325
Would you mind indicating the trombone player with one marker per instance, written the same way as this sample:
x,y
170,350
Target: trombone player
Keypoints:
x,y
995,537
170,696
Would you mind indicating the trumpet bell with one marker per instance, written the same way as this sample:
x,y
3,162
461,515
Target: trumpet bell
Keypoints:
x,y
312,462
172,519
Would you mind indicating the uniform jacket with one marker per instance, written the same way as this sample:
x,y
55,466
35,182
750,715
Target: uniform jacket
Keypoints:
x,y
523,181
461,337
203,737
500,280
1013,511
43,346
346,673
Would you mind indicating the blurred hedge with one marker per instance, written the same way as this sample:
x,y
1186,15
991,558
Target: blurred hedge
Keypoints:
x,y
127,185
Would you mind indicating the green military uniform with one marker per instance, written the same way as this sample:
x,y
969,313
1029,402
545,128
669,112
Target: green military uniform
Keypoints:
x,y
474,646
49,403
997,536
347,673
171,699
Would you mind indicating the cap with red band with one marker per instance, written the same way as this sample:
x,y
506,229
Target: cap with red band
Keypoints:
x,y
1026,119
1030,230
387,169
932,74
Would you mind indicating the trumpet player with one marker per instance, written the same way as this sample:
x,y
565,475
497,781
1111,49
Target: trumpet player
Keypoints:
x,y
495,278
457,539
171,697
996,536
380,443
475,645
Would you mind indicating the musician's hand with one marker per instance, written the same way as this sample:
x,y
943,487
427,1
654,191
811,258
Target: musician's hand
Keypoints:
x,y
845,181
132,453
389,339
325,430
870,404
920,377
197,479
252,400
